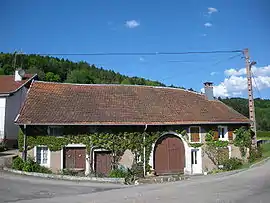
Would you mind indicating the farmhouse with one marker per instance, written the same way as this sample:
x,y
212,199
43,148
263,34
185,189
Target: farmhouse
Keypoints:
x,y
94,127
13,89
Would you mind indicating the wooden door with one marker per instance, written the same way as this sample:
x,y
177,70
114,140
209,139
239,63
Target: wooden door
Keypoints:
x,y
169,155
75,157
103,162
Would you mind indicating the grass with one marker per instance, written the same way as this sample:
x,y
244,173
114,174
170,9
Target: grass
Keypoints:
x,y
265,135
266,150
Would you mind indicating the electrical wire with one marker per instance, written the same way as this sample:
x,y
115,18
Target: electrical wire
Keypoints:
x,y
137,53
256,86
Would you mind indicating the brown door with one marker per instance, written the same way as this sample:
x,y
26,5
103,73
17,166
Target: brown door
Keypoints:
x,y
169,155
103,162
75,157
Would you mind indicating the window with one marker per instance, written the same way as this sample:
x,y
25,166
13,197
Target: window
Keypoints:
x,y
194,156
194,134
55,130
222,133
42,155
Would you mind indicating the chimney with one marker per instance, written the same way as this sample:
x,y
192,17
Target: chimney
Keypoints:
x,y
208,89
18,77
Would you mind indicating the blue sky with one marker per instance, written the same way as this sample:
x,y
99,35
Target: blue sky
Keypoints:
x,y
149,26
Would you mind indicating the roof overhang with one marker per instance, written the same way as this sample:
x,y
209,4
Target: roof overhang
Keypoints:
x,y
136,123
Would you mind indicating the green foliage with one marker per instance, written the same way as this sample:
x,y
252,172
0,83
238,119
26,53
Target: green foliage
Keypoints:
x,y
3,146
209,136
232,164
51,77
63,70
195,145
255,154
263,134
18,163
242,140
218,143
118,173
262,110
29,166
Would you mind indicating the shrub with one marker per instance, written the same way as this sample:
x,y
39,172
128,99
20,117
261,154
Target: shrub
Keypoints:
x,y
118,173
254,154
232,164
137,169
29,166
3,146
17,163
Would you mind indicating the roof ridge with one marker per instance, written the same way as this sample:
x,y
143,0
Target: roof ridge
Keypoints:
x,y
127,85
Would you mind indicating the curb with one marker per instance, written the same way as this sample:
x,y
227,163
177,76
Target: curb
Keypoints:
x,y
67,177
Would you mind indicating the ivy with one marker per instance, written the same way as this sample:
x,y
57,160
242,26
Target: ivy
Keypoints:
x,y
195,145
243,140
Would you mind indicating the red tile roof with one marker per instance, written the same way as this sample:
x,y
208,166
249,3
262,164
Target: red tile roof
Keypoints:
x,y
9,85
65,104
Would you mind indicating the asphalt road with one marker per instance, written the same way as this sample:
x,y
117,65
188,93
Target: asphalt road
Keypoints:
x,y
250,186
17,188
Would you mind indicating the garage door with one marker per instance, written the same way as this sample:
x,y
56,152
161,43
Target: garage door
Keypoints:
x,y
75,158
169,155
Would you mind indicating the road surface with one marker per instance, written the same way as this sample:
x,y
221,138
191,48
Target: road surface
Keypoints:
x,y
250,186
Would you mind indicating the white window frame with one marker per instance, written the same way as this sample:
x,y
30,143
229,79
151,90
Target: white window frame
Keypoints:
x,y
48,164
200,134
195,158
226,135
50,128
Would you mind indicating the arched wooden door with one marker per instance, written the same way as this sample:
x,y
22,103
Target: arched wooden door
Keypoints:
x,y
169,155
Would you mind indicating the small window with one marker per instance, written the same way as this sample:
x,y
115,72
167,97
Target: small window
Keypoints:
x,y
222,133
194,134
42,155
194,157
55,130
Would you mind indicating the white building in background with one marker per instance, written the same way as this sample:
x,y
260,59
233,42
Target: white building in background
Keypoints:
x,y
13,89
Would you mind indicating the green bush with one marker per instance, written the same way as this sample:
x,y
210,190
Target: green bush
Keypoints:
x,y
254,154
137,169
118,173
18,163
29,166
3,146
232,164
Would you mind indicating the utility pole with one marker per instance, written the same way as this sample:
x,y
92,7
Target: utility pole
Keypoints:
x,y
251,105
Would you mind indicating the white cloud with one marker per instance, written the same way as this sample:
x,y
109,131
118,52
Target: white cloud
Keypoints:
x,y
208,24
213,73
212,10
141,59
235,84
204,35
132,23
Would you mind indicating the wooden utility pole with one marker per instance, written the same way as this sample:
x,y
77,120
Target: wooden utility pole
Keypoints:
x,y
251,105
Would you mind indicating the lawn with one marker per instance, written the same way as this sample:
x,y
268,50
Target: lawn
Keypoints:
x,y
266,150
263,135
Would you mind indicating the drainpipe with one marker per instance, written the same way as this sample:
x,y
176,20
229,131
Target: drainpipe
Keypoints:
x,y
24,144
144,151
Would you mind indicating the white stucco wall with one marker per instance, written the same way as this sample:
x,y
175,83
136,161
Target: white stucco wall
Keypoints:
x,y
2,116
13,105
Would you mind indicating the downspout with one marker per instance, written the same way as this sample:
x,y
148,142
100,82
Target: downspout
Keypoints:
x,y
144,151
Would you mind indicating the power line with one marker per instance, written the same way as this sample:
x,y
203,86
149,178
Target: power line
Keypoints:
x,y
138,53
256,86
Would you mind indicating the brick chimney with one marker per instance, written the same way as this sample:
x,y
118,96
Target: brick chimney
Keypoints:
x,y
208,89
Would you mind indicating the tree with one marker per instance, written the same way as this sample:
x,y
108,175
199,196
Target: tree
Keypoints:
x,y
126,82
51,77
79,76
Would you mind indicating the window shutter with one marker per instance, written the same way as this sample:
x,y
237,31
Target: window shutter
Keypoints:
x,y
195,134
230,133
